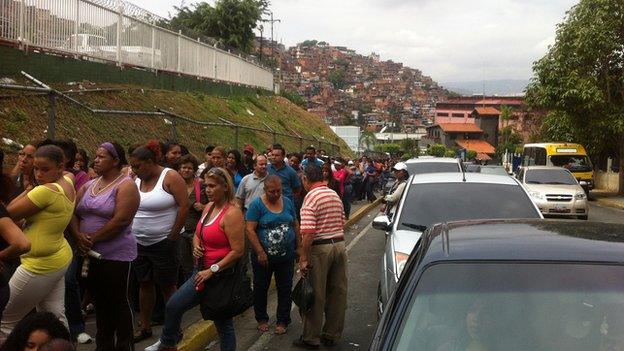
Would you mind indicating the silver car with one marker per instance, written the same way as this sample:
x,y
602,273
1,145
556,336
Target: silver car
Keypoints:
x,y
443,197
430,164
555,191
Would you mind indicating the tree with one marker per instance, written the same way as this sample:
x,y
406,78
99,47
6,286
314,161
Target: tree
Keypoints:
x,y
337,78
368,138
390,148
230,22
409,146
437,150
580,78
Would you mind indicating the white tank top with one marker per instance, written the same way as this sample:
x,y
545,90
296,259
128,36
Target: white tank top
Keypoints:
x,y
156,215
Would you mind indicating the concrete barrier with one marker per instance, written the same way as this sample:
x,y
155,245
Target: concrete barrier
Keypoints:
x,y
200,333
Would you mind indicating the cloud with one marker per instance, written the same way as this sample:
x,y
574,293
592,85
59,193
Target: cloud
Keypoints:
x,y
450,40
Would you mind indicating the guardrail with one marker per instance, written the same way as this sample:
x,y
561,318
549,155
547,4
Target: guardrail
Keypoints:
x,y
88,29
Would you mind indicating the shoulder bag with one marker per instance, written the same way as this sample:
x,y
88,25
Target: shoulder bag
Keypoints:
x,y
228,292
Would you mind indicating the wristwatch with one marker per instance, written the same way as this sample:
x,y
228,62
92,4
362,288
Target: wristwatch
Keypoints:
x,y
214,268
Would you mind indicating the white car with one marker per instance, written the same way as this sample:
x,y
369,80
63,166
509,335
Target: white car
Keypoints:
x,y
435,198
555,191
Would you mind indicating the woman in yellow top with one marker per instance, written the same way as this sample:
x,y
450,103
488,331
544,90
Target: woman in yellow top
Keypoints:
x,y
39,281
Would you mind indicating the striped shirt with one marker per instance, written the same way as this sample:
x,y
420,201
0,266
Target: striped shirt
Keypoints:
x,y
322,214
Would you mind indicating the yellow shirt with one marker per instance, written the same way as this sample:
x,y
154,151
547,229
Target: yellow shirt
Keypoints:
x,y
49,251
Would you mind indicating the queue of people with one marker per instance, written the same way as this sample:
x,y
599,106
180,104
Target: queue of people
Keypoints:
x,y
76,229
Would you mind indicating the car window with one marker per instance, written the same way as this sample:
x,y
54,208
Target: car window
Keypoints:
x,y
574,163
493,170
549,176
515,306
432,167
428,204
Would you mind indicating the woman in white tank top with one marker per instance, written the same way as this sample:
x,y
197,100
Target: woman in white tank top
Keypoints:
x,y
156,226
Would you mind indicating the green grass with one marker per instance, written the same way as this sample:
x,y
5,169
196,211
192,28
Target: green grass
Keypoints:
x,y
24,119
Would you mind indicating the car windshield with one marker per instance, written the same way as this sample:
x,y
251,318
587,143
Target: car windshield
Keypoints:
x,y
574,163
549,176
515,307
493,170
428,204
432,167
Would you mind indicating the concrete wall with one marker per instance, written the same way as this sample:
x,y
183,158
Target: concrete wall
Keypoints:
x,y
56,69
607,181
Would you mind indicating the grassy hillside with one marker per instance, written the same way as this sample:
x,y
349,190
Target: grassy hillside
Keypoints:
x,y
23,118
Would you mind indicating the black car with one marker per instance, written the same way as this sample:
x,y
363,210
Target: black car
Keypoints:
x,y
510,285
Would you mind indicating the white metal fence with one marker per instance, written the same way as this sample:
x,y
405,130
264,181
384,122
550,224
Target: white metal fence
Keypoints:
x,y
87,28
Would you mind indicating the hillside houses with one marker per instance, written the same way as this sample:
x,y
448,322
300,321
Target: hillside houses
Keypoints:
x,y
335,81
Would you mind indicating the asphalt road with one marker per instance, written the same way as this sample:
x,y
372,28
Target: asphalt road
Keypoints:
x,y
365,248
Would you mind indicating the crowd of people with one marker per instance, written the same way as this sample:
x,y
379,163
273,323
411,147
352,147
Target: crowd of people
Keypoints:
x,y
142,229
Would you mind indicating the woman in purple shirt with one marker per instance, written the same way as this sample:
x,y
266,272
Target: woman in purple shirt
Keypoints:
x,y
102,223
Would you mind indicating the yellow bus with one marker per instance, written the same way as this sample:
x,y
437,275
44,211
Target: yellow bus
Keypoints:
x,y
567,155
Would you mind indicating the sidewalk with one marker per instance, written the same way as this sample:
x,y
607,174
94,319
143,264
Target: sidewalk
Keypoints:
x,y
606,198
197,332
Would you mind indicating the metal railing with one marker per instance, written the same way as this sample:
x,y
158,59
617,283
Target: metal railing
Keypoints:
x,y
91,30
40,88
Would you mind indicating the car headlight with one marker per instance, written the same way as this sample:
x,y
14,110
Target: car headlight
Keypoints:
x,y
536,195
580,196
401,260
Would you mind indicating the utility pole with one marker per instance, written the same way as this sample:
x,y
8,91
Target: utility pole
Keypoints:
x,y
272,21
261,29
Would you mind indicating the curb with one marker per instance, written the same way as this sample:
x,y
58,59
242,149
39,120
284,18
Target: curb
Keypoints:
x,y
361,212
200,333
610,203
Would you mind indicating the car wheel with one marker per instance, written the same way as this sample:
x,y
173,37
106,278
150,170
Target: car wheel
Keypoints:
x,y
583,217
379,302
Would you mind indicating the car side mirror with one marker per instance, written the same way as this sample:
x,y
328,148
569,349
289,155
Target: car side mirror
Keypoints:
x,y
583,183
381,222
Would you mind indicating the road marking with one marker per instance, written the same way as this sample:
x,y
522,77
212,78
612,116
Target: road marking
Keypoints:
x,y
265,338
359,236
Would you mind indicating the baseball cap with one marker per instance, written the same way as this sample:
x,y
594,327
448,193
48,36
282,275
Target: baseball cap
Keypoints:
x,y
249,148
400,166
350,163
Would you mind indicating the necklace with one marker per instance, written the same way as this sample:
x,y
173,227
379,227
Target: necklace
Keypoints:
x,y
101,190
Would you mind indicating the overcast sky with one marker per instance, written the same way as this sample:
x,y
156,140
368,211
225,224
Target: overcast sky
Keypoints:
x,y
449,40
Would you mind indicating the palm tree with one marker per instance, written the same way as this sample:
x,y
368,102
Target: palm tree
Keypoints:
x,y
368,138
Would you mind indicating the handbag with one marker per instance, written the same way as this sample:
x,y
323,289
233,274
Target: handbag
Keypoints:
x,y
227,293
303,295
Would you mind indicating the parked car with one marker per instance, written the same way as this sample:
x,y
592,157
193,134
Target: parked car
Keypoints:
x,y
510,285
486,169
433,165
442,197
427,164
555,191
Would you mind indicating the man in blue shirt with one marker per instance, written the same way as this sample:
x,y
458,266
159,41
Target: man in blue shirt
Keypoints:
x,y
311,158
291,183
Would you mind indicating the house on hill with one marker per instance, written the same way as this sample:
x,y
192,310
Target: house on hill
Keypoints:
x,y
467,136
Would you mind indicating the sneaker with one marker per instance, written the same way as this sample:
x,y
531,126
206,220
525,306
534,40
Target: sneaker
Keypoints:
x,y
159,347
84,338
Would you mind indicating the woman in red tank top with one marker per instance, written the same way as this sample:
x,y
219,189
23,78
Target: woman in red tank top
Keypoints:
x,y
219,243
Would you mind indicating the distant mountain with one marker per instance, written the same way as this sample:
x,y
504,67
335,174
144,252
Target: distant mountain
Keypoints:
x,y
492,87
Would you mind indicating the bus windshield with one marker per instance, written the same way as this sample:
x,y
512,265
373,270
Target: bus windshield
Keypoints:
x,y
574,163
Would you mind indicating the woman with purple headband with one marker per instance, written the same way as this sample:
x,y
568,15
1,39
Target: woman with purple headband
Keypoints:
x,y
102,223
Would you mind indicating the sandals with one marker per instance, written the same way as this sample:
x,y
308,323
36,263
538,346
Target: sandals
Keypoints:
x,y
280,329
263,327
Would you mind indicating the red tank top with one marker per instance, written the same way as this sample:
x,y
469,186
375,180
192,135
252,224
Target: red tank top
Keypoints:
x,y
214,240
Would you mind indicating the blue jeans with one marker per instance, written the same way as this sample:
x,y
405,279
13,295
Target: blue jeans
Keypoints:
x,y
183,300
284,272
73,300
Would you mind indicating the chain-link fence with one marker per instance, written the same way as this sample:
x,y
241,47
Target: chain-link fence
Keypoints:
x,y
120,33
176,122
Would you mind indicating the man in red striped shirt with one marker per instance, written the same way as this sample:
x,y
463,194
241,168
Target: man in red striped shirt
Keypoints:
x,y
323,258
